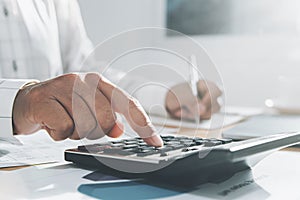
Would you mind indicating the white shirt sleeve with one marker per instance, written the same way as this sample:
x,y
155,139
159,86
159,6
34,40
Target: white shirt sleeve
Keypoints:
x,y
8,91
76,47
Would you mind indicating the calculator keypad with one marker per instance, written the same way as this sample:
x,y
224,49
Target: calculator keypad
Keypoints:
x,y
137,147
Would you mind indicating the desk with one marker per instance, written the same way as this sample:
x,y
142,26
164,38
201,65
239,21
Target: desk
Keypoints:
x,y
275,177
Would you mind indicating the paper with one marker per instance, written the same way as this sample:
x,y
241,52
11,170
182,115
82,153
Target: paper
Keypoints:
x,y
264,125
36,149
57,182
244,111
217,121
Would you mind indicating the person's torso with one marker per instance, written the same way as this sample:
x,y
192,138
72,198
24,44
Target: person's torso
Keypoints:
x,y
29,39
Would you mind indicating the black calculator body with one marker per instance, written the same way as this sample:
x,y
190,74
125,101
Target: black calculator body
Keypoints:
x,y
182,159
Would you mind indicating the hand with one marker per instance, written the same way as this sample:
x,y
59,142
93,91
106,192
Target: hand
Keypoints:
x,y
180,102
78,106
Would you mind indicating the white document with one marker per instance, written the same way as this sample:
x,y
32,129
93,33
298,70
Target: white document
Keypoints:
x,y
244,111
58,182
36,149
217,121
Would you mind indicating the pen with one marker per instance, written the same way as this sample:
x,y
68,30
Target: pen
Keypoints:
x,y
193,79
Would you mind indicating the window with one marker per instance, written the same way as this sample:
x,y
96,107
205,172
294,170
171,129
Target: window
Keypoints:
x,y
211,17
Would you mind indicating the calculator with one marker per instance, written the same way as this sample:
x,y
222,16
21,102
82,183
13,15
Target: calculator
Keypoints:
x,y
181,158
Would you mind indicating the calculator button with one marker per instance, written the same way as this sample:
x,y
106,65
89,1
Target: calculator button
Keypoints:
x,y
92,148
162,154
118,151
182,137
135,150
172,142
164,149
117,145
130,146
147,148
188,149
187,143
126,153
142,144
117,142
198,141
170,139
177,146
226,140
211,142
167,137
146,153
130,142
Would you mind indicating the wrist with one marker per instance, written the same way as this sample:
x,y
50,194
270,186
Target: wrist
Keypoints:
x,y
21,105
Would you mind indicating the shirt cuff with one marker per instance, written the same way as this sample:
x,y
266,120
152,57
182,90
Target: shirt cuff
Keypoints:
x,y
8,90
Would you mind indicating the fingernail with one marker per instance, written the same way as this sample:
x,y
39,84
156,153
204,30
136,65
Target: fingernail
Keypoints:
x,y
154,140
117,130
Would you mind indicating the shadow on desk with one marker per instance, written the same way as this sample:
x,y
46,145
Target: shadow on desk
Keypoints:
x,y
61,181
3,152
238,186
126,190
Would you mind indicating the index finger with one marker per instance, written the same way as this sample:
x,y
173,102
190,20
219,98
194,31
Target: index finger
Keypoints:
x,y
132,110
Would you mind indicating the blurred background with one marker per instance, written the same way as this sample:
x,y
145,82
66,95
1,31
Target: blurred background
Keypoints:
x,y
252,43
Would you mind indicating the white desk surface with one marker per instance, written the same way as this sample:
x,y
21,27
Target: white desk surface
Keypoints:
x,y
275,177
